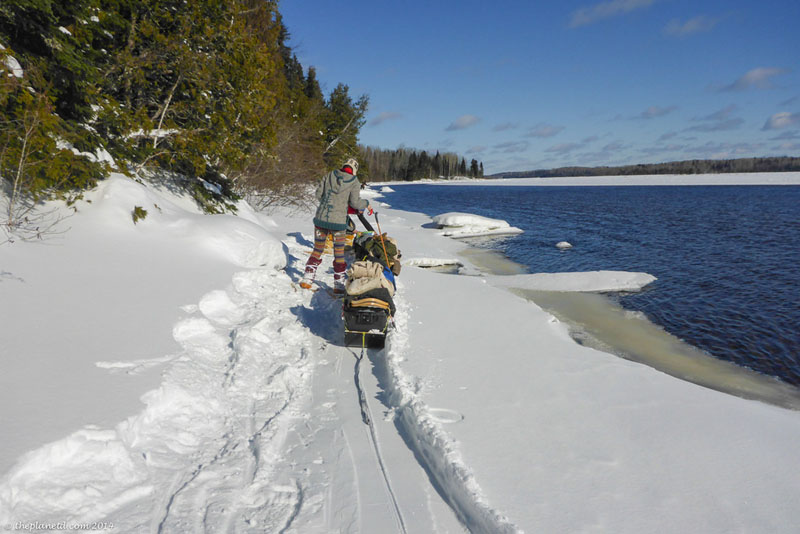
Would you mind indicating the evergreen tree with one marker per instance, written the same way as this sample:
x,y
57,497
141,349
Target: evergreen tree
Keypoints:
x,y
312,89
474,171
343,120
42,113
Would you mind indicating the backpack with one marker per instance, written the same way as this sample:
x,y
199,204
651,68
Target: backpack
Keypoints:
x,y
368,246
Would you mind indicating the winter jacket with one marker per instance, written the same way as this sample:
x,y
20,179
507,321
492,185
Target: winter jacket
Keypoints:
x,y
335,192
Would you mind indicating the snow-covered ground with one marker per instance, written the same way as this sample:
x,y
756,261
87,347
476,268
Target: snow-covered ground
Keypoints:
x,y
168,377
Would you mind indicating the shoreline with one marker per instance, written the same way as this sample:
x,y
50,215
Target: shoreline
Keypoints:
x,y
594,320
739,179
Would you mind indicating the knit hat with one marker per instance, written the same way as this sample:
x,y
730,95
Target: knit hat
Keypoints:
x,y
352,163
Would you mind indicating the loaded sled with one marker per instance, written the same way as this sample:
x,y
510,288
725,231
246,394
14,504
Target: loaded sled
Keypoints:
x,y
366,322
368,308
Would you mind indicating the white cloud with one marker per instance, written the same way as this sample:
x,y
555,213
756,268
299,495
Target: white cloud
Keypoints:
x,y
794,147
512,147
476,149
723,150
591,14
385,116
717,126
781,120
505,126
691,26
791,135
544,130
656,111
563,148
613,147
661,149
720,115
464,121
759,78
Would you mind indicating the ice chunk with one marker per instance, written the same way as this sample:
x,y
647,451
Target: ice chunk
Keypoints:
x,y
461,225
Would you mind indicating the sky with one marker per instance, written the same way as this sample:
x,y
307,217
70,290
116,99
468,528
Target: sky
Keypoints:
x,y
522,85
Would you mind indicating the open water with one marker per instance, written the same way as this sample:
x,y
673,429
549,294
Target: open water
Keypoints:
x,y
727,258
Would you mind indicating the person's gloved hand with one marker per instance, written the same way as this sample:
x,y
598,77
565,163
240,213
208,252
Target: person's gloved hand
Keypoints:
x,y
369,210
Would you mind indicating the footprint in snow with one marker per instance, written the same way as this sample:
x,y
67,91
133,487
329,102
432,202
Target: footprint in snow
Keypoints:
x,y
445,416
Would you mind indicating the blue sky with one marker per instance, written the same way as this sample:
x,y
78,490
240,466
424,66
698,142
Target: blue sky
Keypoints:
x,y
523,85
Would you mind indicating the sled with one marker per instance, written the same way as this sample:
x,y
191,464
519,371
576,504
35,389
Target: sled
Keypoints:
x,y
366,322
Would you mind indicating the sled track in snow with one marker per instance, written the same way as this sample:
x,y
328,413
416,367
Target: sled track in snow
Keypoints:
x,y
366,416
433,448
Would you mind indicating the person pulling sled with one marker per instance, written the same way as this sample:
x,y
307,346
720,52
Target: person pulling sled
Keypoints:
x,y
338,190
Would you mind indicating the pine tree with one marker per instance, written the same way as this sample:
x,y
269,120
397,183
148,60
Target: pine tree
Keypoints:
x,y
312,89
474,171
343,121
437,165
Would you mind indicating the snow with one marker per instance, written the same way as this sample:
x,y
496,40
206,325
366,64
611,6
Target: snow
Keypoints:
x,y
154,133
591,281
12,65
370,193
431,262
99,155
174,380
461,225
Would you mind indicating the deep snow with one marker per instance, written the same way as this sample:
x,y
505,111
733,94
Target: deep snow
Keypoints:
x,y
487,414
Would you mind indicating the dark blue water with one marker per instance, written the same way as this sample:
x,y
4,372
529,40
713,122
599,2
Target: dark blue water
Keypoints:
x,y
727,258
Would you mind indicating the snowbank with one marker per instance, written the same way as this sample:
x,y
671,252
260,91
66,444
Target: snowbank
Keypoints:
x,y
461,225
370,193
107,290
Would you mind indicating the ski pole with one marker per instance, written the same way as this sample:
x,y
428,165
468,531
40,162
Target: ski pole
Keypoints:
x,y
365,222
385,255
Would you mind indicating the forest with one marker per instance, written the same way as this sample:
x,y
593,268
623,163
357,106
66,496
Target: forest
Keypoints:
x,y
406,164
695,166
208,91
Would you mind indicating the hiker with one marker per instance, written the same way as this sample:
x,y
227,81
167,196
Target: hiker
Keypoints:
x,y
338,190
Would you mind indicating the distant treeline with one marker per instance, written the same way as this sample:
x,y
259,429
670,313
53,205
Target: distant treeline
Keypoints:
x,y
695,166
408,164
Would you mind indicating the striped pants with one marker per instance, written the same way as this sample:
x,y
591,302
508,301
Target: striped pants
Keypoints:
x,y
339,263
